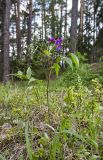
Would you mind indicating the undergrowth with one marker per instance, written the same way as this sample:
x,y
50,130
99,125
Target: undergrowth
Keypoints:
x,y
74,131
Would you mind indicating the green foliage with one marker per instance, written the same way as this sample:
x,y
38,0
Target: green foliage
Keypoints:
x,y
29,73
56,66
76,120
74,59
85,72
69,61
75,112
55,148
44,55
1,157
28,145
83,108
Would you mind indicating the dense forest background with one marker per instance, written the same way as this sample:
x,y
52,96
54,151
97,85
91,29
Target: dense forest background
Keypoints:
x,y
26,22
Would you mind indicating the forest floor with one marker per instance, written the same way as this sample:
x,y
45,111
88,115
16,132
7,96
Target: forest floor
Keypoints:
x,y
69,128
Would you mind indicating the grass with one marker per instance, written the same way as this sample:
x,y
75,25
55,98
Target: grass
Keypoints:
x,y
73,132
19,105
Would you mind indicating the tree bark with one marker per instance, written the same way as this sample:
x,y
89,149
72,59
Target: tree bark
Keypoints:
x,y
42,24
1,42
45,27
61,19
73,32
18,31
65,27
29,23
6,41
52,18
81,18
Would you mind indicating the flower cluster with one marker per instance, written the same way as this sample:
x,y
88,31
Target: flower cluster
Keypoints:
x,y
57,42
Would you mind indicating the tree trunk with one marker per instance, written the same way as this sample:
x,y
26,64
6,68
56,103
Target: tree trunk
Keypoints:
x,y
1,42
52,18
1,61
61,19
42,24
18,31
6,41
80,35
45,27
29,23
73,33
65,27
81,18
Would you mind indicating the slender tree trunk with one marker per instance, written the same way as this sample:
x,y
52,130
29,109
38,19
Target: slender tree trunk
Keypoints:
x,y
18,31
94,16
42,24
45,27
1,63
61,19
52,19
73,33
29,22
6,41
93,55
1,42
65,27
80,35
81,18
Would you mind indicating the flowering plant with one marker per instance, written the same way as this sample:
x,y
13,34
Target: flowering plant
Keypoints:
x,y
48,53
54,58
57,42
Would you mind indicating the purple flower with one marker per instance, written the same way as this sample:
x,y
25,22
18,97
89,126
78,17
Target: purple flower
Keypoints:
x,y
59,48
52,39
58,41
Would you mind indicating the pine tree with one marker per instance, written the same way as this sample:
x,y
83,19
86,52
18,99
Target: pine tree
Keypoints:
x,y
18,30
29,22
6,24
1,35
73,32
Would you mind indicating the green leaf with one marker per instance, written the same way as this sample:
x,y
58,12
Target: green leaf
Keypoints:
x,y
31,80
46,136
73,133
29,88
94,157
50,127
28,73
57,68
69,61
28,145
19,73
21,157
75,59
55,148
58,59
2,158
93,143
47,52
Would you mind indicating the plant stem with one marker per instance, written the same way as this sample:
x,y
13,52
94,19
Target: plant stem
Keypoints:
x,y
48,83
